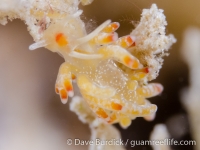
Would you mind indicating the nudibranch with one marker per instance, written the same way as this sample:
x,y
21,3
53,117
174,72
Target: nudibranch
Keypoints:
x,y
111,72
113,92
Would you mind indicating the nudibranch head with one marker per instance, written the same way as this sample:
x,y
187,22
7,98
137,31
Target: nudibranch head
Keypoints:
x,y
61,36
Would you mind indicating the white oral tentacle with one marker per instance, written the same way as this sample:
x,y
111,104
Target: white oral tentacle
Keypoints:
x,y
37,45
84,56
92,34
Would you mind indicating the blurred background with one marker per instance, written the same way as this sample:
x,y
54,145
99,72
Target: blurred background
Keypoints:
x,y
31,114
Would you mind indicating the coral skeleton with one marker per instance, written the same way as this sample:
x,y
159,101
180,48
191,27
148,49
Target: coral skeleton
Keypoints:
x,y
160,133
190,96
112,72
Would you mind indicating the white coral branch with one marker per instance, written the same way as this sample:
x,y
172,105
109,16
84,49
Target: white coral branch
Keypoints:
x,y
190,96
151,39
160,133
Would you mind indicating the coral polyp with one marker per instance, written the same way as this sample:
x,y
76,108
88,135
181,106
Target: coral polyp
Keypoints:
x,y
112,72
